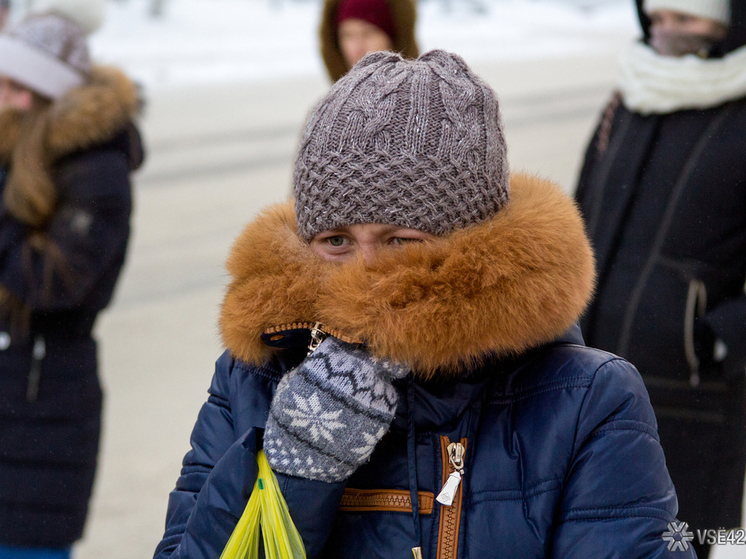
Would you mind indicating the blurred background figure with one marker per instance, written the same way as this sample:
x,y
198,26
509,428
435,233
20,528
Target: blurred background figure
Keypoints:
x,y
350,29
67,147
663,190
4,13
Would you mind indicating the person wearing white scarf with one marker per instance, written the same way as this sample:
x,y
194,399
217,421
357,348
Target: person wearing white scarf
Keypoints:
x,y
663,192
673,72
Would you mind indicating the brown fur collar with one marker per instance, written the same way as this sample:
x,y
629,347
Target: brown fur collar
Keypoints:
x,y
404,13
83,117
508,284
32,142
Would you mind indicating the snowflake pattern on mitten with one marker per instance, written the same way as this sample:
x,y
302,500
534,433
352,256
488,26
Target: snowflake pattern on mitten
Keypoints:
x,y
329,413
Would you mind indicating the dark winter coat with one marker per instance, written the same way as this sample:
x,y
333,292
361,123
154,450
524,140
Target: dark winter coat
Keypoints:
x,y
664,199
562,455
404,14
59,276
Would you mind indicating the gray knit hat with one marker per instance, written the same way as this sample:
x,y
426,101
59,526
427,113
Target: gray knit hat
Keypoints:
x,y
48,52
413,143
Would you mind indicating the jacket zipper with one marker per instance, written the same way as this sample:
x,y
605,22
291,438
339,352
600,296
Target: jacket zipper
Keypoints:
x,y
696,306
278,332
456,460
38,353
450,497
317,336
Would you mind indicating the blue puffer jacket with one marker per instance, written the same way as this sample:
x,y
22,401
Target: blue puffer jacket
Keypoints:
x,y
562,456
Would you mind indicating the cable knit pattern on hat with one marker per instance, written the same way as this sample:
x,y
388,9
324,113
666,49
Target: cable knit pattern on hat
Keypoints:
x,y
415,143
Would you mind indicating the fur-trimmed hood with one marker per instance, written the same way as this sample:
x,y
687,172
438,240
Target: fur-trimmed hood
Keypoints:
x,y
83,117
404,13
32,142
513,282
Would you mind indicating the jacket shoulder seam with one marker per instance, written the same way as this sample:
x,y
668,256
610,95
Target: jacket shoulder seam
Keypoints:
x,y
592,377
533,490
524,395
626,425
575,381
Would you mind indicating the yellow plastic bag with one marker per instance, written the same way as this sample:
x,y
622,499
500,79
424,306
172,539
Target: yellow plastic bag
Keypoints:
x,y
266,508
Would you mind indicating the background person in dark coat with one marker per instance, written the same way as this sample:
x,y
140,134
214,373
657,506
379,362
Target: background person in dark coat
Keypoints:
x,y
414,239
663,191
4,12
67,147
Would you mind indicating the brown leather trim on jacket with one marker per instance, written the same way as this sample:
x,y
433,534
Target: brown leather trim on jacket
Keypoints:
x,y
450,516
386,500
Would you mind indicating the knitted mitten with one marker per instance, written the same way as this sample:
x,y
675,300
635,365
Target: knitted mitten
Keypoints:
x,y
330,412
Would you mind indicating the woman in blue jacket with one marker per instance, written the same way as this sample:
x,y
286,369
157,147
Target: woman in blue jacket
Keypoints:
x,y
447,405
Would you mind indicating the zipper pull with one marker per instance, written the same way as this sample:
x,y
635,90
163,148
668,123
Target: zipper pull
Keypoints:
x,y
448,493
456,453
317,336
694,379
38,353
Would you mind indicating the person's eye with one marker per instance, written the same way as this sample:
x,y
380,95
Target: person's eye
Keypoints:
x,y
336,240
399,241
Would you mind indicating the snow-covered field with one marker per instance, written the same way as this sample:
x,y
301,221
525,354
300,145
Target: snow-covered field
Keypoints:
x,y
213,41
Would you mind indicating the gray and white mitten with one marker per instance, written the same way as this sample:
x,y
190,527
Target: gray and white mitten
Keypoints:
x,y
329,413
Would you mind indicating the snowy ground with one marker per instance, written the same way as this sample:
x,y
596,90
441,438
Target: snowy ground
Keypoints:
x,y
209,41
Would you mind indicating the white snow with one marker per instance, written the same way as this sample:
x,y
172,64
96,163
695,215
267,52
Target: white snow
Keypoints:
x,y
209,41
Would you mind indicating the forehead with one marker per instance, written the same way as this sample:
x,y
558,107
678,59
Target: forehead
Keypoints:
x,y
355,24
370,228
373,231
677,14
17,90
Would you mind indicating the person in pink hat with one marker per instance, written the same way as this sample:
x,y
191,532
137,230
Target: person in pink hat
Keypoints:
x,y
350,29
4,13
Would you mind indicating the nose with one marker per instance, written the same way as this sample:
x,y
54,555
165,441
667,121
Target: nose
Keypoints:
x,y
663,23
369,251
359,50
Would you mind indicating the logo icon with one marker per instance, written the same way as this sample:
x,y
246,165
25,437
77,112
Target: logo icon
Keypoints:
x,y
677,536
